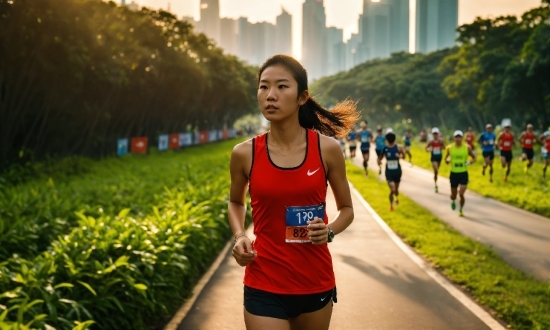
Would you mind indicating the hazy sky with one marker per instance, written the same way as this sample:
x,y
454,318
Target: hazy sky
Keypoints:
x,y
340,13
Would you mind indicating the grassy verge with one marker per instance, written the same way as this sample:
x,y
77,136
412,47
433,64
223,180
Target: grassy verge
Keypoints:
x,y
131,237
519,300
524,190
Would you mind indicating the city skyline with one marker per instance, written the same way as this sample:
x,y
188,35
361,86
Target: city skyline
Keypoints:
x,y
342,14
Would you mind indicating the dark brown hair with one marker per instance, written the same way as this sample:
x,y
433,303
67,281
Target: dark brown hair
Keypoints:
x,y
336,122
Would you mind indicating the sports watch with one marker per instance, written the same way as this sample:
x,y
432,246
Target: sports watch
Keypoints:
x,y
330,235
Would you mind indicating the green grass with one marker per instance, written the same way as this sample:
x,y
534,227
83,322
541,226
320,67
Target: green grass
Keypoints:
x,y
120,245
524,190
518,299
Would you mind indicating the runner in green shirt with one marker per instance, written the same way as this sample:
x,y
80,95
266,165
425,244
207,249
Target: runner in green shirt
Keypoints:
x,y
457,155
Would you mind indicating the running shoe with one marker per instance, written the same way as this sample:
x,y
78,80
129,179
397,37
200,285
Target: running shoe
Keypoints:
x,y
491,179
460,213
436,189
453,205
483,171
396,201
391,208
505,179
380,171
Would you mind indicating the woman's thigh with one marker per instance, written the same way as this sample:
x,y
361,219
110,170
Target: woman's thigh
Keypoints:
x,y
318,320
255,322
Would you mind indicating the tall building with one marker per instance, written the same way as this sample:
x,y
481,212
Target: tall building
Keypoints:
x,y
436,23
399,25
284,33
335,51
228,35
314,38
375,29
210,19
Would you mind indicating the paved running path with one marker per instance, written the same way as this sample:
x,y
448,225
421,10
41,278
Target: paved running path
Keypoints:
x,y
379,287
521,238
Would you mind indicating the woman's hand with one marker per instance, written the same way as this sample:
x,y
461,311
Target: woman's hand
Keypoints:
x,y
243,252
318,231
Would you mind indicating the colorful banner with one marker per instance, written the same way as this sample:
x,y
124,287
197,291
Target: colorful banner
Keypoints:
x,y
233,133
203,137
225,134
163,142
139,145
174,141
213,136
122,147
186,139
196,137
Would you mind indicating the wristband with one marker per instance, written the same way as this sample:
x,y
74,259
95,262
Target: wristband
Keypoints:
x,y
239,236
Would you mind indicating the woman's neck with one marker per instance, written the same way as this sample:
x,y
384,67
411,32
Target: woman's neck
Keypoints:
x,y
286,135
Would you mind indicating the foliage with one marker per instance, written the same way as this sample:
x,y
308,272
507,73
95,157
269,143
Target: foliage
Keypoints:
x,y
518,299
161,220
75,75
499,70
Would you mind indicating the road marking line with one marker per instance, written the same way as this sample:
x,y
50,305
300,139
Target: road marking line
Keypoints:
x,y
457,294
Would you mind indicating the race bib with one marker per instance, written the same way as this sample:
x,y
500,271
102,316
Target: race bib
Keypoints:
x,y
296,221
506,143
392,164
458,164
528,141
491,142
364,139
437,151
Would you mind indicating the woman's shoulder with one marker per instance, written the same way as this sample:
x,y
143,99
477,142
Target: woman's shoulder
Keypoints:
x,y
243,149
328,142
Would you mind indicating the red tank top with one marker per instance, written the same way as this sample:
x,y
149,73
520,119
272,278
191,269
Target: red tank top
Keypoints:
x,y
470,139
437,147
286,267
547,144
528,140
507,141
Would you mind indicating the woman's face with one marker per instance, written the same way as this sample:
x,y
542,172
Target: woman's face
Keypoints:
x,y
278,94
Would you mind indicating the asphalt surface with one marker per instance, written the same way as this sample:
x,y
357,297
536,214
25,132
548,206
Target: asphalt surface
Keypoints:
x,y
521,238
379,287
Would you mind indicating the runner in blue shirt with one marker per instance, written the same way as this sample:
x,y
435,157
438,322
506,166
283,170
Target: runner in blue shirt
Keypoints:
x,y
352,142
487,141
393,152
380,141
365,137
407,138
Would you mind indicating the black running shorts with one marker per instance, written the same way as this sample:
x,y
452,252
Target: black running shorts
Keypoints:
x,y
489,154
458,179
507,155
284,306
529,153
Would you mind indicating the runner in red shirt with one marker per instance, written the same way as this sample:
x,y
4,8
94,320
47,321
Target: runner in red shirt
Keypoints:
x,y
436,147
505,140
470,138
527,139
289,280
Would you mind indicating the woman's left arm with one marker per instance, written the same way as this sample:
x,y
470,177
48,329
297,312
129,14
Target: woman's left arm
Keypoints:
x,y
336,174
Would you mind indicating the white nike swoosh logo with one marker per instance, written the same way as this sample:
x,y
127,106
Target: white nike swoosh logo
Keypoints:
x,y
323,299
309,173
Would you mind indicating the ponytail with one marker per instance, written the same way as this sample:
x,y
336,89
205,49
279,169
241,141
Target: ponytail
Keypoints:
x,y
336,122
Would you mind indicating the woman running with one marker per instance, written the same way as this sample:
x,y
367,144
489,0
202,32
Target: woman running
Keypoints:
x,y
289,280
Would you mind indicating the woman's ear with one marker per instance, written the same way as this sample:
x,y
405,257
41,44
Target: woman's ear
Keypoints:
x,y
303,97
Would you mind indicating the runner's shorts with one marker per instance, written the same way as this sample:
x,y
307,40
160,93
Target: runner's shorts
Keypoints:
x,y
352,147
284,306
507,155
529,153
378,152
436,158
489,154
393,176
458,179
365,148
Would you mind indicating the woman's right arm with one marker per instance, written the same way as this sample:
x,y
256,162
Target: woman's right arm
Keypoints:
x,y
239,167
